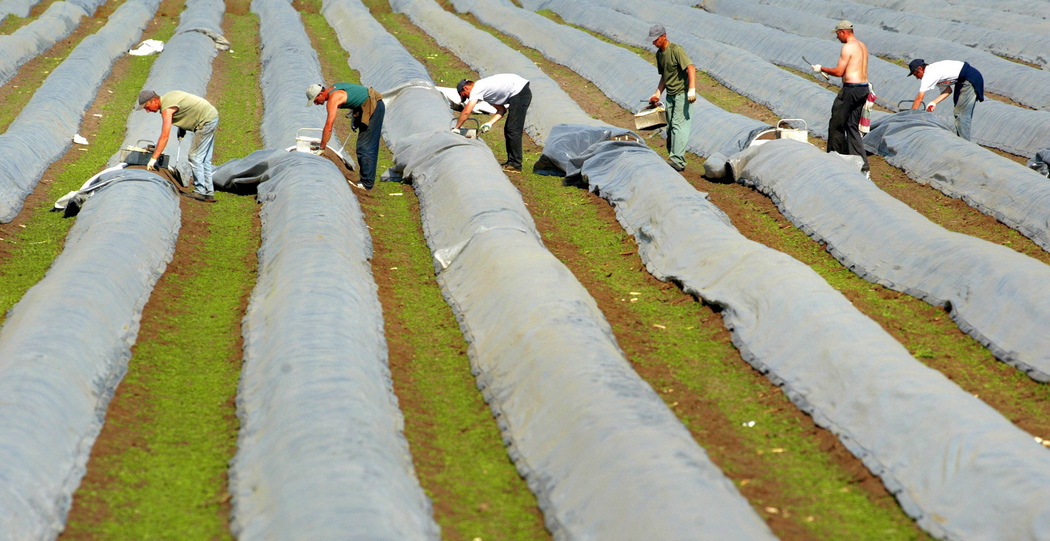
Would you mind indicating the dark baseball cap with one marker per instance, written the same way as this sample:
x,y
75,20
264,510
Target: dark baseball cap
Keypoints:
x,y
145,96
914,65
459,87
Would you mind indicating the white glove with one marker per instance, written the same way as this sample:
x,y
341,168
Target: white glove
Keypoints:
x,y
931,107
151,165
691,95
485,127
816,67
455,130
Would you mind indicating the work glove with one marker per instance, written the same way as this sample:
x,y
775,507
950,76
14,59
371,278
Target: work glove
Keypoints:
x,y
151,165
691,95
485,127
654,99
816,67
931,107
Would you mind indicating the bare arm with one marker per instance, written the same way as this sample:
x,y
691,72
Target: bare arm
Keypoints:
x,y
943,95
165,130
335,99
500,111
918,100
844,57
465,114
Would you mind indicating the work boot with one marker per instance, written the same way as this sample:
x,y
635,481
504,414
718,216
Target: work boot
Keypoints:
x,y
508,168
200,197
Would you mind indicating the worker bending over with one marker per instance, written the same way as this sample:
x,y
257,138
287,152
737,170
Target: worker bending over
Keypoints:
x,y
366,116
968,83
678,77
511,96
844,126
191,113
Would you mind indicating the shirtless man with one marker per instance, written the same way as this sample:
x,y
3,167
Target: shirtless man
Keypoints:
x,y
844,127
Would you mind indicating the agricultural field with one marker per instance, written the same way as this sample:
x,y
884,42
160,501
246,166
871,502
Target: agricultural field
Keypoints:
x,y
160,459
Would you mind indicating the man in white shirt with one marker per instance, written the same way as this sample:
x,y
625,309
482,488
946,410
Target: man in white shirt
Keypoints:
x,y
968,83
510,95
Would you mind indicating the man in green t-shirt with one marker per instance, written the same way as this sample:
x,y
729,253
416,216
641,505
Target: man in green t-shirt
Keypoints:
x,y
678,77
188,113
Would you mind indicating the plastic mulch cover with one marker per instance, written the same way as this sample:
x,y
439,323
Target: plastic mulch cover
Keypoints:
x,y
39,35
534,332
57,379
1007,190
787,94
1022,46
622,75
18,8
1023,84
1014,129
986,17
43,131
488,56
960,468
320,454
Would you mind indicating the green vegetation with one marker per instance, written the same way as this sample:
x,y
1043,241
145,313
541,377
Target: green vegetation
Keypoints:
x,y
171,484
454,439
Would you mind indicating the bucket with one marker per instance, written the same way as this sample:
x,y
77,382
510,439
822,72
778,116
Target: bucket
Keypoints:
x,y
469,133
650,118
792,133
306,141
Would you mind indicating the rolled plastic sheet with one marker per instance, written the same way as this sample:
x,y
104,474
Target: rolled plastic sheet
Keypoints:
x,y
27,42
65,346
1014,129
44,130
955,465
623,76
1023,84
787,94
910,26
488,56
1014,194
321,453
606,458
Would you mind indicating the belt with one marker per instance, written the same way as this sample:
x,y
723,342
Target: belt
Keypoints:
x,y
851,85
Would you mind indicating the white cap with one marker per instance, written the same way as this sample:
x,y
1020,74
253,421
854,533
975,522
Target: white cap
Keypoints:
x,y
311,93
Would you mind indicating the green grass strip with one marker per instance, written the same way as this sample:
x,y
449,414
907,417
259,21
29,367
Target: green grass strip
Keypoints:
x,y
460,458
173,486
43,234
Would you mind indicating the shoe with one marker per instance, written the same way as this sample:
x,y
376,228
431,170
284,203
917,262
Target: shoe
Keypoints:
x,y
200,197
358,185
675,166
510,168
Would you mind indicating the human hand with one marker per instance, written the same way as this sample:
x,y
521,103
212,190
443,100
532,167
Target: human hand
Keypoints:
x,y
151,165
485,127
816,67
654,99
691,95
931,107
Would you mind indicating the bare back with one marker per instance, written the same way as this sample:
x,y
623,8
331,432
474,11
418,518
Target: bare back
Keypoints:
x,y
854,57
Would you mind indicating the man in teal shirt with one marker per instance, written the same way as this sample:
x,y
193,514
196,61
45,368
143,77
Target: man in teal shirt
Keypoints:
x,y
678,77
366,112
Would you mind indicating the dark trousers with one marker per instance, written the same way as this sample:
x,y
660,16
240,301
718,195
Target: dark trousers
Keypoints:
x,y
844,127
368,146
515,126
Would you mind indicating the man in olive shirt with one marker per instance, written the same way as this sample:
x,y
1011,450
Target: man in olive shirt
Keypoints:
x,y
678,77
190,113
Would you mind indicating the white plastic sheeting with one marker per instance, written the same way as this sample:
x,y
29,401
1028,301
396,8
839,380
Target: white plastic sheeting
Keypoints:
x,y
57,380
986,17
1023,84
909,25
18,8
44,129
321,454
36,37
956,465
1013,129
604,455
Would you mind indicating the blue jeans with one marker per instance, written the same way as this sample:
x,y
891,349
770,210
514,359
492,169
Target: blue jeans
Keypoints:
x,y
200,157
678,125
368,146
964,110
